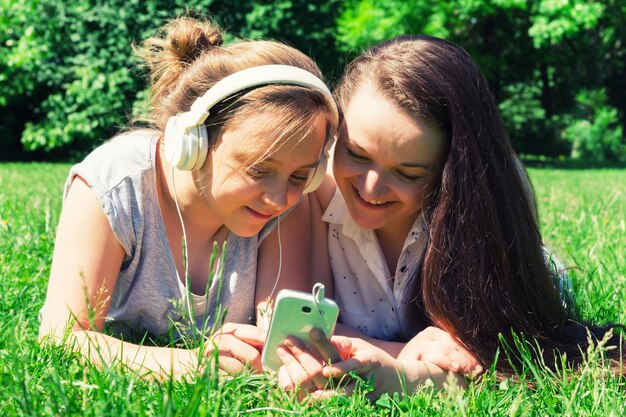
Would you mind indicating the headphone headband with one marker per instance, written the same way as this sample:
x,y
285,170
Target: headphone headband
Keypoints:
x,y
186,138
253,77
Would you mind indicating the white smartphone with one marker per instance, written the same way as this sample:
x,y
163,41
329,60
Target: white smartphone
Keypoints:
x,y
295,314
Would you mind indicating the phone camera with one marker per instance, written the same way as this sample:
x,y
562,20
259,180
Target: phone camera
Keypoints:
x,y
306,309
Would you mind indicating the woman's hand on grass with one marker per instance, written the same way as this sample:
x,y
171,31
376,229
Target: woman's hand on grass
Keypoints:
x,y
443,350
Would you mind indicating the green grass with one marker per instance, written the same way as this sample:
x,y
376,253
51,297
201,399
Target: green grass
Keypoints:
x,y
583,219
582,215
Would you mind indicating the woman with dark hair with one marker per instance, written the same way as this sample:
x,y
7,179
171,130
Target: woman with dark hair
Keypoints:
x,y
433,223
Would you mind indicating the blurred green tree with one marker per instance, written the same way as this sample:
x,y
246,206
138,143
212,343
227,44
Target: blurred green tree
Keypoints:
x,y
537,55
69,79
68,67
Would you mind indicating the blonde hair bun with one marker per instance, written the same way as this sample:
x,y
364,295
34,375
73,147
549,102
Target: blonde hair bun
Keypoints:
x,y
188,38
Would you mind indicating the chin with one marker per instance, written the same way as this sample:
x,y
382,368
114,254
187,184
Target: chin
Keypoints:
x,y
246,231
366,222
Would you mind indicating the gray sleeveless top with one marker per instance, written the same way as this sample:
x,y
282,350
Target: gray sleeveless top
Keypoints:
x,y
149,297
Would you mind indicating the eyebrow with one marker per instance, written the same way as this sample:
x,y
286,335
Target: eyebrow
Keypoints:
x,y
273,161
242,157
403,164
414,165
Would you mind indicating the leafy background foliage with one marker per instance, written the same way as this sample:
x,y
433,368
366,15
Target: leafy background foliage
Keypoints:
x,y
69,80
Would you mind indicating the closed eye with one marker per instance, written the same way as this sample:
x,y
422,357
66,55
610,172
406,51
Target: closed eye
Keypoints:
x,y
410,178
356,157
258,173
300,178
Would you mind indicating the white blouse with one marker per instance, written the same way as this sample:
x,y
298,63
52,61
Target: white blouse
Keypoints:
x,y
368,296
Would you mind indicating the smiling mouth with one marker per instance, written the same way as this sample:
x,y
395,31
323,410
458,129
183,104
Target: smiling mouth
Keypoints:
x,y
259,215
370,202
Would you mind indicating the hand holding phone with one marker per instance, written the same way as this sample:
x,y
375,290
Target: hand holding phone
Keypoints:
x,y
295,314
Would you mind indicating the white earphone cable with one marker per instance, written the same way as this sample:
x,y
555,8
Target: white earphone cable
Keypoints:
x,y
185,252
280,258
186,257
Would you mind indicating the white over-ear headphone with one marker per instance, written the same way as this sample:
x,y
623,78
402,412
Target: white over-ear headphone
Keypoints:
x,y
186,138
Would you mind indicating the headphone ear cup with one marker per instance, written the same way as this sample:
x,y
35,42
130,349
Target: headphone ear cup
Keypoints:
x,y
186,148
202,142
319,174
173,142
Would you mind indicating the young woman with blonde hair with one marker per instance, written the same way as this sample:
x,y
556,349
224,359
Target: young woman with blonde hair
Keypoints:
x,y
236,135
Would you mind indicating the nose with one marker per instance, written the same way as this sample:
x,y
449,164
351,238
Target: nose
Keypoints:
x,y
373,184
276,195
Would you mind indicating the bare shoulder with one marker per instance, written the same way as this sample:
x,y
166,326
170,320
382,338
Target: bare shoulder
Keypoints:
x,y
85,265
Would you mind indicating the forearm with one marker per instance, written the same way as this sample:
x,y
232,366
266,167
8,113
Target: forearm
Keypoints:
x,y
392,348
149,361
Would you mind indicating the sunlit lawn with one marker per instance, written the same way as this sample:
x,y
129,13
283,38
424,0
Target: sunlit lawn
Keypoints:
x,y
583,215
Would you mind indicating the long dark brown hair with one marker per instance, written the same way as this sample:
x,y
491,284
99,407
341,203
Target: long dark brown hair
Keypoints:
x,y
484,273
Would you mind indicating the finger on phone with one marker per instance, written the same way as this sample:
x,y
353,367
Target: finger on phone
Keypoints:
x,y
298,348
322,344
297,374
311,364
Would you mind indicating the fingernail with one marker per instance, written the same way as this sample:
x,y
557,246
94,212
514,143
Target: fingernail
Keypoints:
x,y
478,370
454,365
